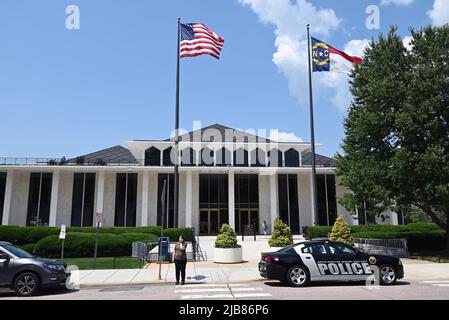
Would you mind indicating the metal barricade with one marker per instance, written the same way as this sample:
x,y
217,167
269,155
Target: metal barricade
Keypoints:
x,y
392,247
149,252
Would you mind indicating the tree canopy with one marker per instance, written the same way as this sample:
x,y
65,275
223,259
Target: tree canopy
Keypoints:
x,y
396,148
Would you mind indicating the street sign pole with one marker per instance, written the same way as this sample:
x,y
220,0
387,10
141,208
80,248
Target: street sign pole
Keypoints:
x,y
62,237
98,219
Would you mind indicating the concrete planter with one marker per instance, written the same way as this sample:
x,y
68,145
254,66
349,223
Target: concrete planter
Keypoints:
x,y
228,255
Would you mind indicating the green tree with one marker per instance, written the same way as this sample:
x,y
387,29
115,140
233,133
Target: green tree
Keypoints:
x,y
396,149
341,232
226,237
281,236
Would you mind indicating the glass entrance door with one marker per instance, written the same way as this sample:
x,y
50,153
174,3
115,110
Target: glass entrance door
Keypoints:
x,y
209,221
245,218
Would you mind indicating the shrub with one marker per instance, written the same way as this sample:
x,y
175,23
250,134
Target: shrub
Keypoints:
x,y
80,245
341,232
281,235
318,232
226,238
29,247
174,233
24,235
116,230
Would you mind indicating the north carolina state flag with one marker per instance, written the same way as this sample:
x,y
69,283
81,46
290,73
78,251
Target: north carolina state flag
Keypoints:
x,y
327,58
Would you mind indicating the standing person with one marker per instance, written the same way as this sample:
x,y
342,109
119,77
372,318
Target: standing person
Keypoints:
x,y
180,259
264,227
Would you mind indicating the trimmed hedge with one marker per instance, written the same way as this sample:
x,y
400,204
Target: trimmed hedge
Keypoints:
x,y
29,247
80,245
24,235
420,236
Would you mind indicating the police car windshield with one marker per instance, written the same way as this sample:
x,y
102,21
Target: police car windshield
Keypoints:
x,y
19,253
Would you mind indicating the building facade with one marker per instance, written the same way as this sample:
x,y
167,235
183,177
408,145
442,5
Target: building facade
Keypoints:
x,y
225,176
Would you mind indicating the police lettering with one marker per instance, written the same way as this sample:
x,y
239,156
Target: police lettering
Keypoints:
x,y
344,268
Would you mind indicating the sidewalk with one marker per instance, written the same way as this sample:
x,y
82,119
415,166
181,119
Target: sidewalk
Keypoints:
x,y
196,272
210,272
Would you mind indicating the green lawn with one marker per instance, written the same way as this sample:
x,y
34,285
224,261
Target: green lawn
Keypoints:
x,y
105,263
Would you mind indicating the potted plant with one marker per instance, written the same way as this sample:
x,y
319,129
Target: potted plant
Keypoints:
x,y
227,250
281,235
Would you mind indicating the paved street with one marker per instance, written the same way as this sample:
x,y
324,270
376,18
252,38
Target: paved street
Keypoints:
x,y
416,290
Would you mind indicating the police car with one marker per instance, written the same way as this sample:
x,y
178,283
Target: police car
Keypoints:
x,y
325,260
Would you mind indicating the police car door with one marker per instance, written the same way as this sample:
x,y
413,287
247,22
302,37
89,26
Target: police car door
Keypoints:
x,y
344,263
310,254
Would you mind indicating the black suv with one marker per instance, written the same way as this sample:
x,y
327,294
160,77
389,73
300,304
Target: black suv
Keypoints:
x,y
27,274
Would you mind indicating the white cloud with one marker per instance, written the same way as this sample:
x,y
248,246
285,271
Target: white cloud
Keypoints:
x,y
290,18
439,14
281,136
339,81
396,2
407,41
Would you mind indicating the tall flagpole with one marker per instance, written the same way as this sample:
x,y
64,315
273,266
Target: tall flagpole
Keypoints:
x,y
312,133
176,178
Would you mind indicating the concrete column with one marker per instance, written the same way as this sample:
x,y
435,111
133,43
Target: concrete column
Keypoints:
x,y
189,182
54,198
273,198
8,197
145,197
231,199
100,193
154,198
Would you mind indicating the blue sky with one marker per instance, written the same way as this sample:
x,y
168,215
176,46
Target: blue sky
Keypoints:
x,y
70,92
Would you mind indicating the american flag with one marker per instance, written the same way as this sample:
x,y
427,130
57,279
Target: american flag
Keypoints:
x,y
197,39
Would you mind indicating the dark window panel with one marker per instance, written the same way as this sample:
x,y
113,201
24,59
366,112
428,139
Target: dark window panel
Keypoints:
x,y
167,157
331,198
292,158
120,200
89,200
213,190
321,199
169,200
77,200
283,197
131,204
294,206
153,157
39,199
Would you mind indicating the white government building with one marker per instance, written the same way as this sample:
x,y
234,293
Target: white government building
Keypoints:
x,y
225,176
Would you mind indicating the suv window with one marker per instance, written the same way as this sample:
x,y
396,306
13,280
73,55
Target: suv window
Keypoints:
x,y
16,251
316,248
340,249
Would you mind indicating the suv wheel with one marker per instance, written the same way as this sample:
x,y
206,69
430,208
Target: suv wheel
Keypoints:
x,y
26,284
298,276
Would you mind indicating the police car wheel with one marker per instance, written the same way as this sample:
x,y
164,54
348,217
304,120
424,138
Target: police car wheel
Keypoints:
x,y
387,275
298,276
